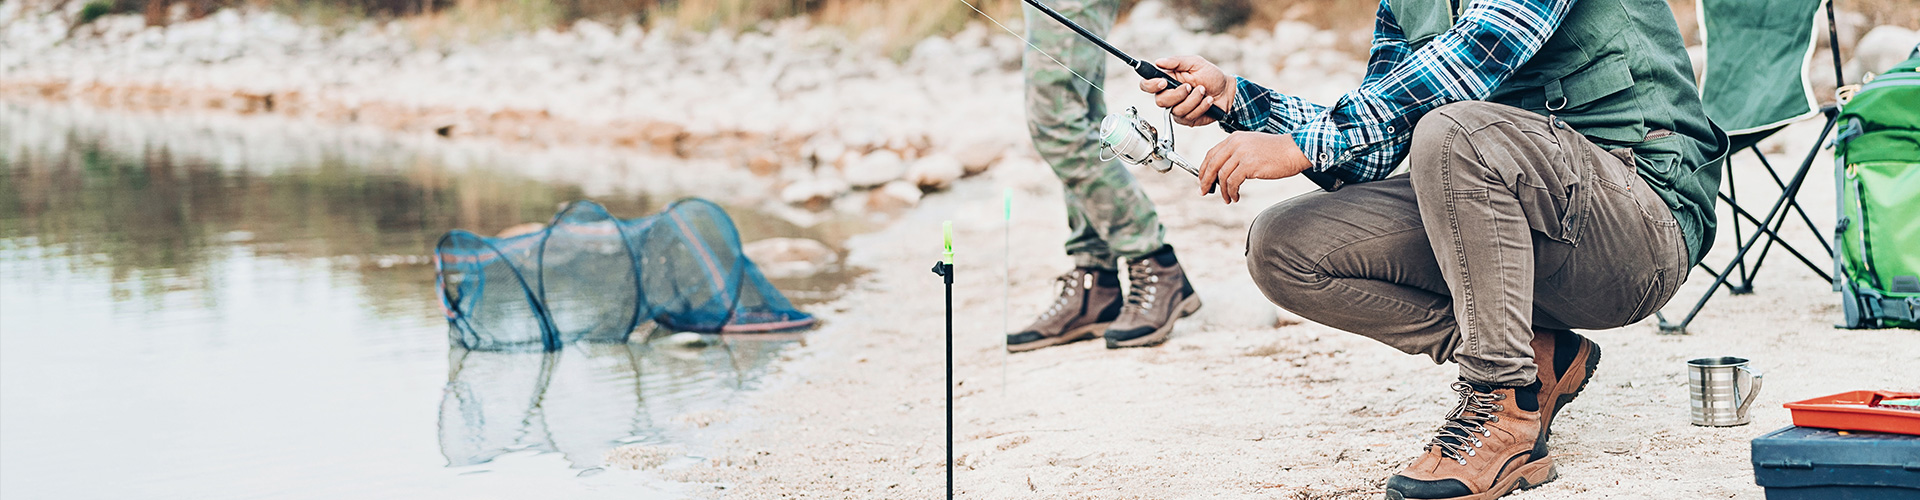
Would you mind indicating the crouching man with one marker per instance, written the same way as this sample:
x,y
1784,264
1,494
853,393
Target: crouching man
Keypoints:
x,y
1561,174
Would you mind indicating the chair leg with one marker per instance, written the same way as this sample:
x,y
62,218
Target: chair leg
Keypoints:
x,y
1794,205
1745,284
1817,231
1773,235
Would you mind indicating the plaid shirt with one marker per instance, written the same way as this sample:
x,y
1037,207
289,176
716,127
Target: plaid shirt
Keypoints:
x,y
1365,134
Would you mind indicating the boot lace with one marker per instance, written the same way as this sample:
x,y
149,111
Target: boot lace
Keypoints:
x,y
1460,436
1069,287
1143,285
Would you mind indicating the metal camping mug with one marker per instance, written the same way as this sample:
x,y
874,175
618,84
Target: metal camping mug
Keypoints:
x,y
1714,384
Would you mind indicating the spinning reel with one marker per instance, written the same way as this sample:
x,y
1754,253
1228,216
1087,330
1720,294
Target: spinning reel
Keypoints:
x,y
1126,137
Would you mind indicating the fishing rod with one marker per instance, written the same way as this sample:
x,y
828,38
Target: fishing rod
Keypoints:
x,y
1143,68
1129,138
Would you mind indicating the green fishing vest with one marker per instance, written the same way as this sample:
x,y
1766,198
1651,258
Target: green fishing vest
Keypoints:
x,y
1618,72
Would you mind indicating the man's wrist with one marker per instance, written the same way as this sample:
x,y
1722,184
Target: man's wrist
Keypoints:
x,y
1244,112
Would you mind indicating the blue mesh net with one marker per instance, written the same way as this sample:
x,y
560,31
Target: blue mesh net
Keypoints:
x,y
591,276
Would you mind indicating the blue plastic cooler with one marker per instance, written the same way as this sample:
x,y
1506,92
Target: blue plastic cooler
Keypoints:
x,y
1808,463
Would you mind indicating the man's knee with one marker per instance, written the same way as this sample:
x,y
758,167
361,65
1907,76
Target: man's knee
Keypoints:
x,y
1440,128
1442,139
1280,256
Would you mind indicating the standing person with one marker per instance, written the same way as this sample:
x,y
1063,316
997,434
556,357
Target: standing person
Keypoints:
x,y
1561,175
1109,217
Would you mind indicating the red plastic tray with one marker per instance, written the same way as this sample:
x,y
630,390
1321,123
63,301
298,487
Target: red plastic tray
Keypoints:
x,y
1857,411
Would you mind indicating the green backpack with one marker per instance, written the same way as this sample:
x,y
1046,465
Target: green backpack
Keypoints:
x,y
1877,238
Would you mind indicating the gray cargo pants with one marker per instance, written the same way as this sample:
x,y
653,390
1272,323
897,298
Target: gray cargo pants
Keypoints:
x,y
1506,220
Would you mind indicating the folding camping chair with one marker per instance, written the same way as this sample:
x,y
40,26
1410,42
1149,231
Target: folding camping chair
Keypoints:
x,y
1759,53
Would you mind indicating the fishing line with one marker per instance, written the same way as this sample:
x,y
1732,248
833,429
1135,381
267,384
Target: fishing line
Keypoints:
x,y
1036,48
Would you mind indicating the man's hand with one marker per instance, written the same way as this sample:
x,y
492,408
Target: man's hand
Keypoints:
x,y
1250,155
1206,86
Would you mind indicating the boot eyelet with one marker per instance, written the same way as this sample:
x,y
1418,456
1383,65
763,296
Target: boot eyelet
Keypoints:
x,y
1499,396
1492,419
1471,453
1462,461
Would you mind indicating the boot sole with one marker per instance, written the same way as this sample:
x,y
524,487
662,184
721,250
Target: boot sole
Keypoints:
x,y
1527,477
1187,307
1087,332
1586,375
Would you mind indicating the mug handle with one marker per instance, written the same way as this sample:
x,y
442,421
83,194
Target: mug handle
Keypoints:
x,y
1752,392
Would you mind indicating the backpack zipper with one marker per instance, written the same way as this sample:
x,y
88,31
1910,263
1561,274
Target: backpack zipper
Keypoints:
x,y
1893,80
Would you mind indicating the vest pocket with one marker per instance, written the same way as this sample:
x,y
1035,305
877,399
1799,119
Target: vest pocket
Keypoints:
x,y
1599,100
1575,91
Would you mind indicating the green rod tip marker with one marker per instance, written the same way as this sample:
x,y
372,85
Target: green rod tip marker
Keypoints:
x,y
946,233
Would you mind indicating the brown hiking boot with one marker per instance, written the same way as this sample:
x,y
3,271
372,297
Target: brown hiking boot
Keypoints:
x,y
1089,301
1158,293
1489,446
1566,362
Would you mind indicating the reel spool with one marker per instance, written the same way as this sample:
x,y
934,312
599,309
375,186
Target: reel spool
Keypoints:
x,y
1124,136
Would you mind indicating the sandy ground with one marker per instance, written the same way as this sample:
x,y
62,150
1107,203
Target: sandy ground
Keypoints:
x,y
1244,400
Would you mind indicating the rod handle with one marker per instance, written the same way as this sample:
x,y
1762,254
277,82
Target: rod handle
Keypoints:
x,y
1148,71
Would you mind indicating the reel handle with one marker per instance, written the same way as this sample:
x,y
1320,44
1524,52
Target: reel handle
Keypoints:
x,y
1148,71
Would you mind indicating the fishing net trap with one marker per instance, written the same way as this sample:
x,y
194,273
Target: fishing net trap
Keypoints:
x,y
590,276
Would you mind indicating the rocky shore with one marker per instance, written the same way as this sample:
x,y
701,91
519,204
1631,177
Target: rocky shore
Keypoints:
x,y
824,118
827,119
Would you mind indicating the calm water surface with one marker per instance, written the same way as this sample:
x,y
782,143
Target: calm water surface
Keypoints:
x,y
238,311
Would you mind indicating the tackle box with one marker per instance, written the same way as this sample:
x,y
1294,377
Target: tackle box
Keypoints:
x,y
1807,463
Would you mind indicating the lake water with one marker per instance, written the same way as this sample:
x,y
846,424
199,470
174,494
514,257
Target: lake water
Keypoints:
x,y
202,309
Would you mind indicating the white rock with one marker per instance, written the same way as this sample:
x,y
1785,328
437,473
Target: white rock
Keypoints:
x,y
790,257
894,196
823,149
874,169
977,155
936,171
1882,48
1223,50
814,190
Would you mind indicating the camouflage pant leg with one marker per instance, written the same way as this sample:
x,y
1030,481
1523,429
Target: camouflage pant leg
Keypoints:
x,y
1107,212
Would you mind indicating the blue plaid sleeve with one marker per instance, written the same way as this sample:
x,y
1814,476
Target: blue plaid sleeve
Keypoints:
x,y
1364,134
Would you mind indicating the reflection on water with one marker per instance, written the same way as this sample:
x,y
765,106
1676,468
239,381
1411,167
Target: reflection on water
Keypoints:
x,y
586,398
202,309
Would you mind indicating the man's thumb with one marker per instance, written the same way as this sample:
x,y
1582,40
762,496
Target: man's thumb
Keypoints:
x,y
1175,63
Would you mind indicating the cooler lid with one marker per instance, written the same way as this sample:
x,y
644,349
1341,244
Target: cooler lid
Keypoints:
x,y
1807,456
